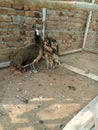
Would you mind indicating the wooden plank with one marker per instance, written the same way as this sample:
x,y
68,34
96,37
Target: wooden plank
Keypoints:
x,y
5,64
69,52
87,112
93,128
87,122
91,50
79,71
58,5
96,116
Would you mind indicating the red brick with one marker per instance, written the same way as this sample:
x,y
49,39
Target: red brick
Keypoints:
x,y
3,46
5,51
26,7
4,58
11,39
35,8
8,11
16,32
62,19
4,26
53,18
29,40
29,13
5,4
3,32
30,33
15,44
51,27
52,22
20,12
28,27
53,12
16,20
37,14
12,26
29,21
5,19
18,6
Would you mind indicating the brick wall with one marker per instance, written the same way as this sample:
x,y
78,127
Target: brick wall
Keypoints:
x,y
16,27
68,27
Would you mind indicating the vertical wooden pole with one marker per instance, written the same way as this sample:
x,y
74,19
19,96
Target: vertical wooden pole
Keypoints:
x,y
87,26
43,20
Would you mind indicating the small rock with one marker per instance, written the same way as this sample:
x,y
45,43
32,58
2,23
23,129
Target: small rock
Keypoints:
x,y
19,89
38,106
26,76
50,76
34,71
40,97
54,79
24,100
61,126
40,121
17,96
72,88
40,85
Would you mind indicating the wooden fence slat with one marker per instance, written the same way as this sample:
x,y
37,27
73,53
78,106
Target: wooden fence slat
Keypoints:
x,y
4,64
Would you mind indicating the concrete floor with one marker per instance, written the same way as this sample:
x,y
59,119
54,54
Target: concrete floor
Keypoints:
x,y
50,97
82,60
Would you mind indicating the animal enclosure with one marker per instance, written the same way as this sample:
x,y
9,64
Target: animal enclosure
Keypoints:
x,y
49,99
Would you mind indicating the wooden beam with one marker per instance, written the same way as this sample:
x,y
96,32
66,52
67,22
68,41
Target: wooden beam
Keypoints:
x,y
91,50
79,71
96,116
57,5
5,64
70,51
84,117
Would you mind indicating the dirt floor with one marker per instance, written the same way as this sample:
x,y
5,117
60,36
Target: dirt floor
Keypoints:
x,y
46,100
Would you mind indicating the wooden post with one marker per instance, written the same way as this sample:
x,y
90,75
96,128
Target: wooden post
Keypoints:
x,y
57,5
44,19
87,26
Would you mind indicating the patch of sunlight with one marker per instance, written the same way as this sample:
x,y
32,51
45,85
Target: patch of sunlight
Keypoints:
x,y
40,98
17,113
57,111
86,99
29,128
1,127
